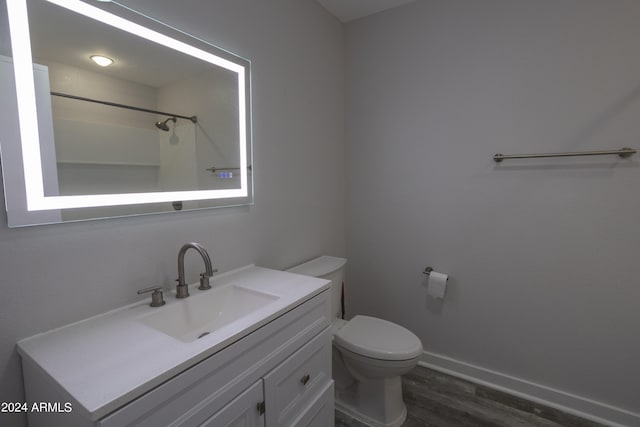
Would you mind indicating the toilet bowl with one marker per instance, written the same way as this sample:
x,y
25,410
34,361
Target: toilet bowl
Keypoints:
x,y
369,355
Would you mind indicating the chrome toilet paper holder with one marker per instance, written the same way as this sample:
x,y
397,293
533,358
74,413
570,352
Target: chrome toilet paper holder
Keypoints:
x,y
427,271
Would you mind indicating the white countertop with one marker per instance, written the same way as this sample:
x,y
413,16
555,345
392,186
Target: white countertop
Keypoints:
x,y
108,360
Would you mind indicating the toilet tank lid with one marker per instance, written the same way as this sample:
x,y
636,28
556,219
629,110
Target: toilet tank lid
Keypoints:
x,y
319,267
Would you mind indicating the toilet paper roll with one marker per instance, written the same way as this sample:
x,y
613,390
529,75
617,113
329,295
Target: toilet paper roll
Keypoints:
x,y
437,285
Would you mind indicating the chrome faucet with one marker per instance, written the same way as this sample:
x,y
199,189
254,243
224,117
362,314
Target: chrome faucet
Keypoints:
x,y
182,290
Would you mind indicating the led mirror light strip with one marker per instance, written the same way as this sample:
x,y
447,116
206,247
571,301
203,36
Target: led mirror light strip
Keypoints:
x,y
21,45
23,71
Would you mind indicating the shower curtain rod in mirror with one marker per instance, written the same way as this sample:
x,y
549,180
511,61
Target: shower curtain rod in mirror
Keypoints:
x,y
194,119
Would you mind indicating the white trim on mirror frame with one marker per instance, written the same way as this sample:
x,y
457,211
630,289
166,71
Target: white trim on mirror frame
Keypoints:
x,y
28,120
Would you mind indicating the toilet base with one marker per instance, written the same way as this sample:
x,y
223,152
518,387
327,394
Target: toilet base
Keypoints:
x,y
345,403
351,412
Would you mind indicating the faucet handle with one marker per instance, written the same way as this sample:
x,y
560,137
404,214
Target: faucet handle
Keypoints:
x,y
157,299
204,280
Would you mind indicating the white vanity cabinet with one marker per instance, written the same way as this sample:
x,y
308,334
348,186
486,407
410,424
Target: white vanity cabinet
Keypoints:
x,y
298,392
277,375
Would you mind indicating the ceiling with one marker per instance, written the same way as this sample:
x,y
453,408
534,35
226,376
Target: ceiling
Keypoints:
x,y
348,10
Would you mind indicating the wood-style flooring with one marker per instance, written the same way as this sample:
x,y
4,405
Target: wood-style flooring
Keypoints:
x,y
435,399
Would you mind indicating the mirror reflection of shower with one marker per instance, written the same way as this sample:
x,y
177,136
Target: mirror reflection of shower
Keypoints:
x,y
164,126
174,139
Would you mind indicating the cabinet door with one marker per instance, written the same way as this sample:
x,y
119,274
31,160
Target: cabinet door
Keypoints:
x,y
242,411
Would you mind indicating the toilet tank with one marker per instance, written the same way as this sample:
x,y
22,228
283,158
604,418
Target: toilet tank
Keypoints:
x,y
330,268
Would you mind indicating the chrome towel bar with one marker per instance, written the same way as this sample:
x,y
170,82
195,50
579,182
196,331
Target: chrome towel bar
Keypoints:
x,y
623,152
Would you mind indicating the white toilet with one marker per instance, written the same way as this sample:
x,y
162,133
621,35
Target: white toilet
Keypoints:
x,y
369,355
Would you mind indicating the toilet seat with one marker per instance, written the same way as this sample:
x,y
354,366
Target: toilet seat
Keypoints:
x,y
378,339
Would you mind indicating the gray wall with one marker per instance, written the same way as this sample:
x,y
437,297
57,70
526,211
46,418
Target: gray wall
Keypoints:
x,y
542,254
53,275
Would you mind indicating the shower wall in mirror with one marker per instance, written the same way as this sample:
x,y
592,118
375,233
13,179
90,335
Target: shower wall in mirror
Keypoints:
x,y
162,125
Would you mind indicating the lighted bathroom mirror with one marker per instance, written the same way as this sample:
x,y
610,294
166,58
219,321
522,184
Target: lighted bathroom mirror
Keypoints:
x,y
163,124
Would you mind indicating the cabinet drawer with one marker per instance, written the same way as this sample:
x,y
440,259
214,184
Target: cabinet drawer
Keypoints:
x,y
293,385
321,413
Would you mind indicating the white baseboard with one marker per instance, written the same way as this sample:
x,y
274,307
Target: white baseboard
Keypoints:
x,y
566,402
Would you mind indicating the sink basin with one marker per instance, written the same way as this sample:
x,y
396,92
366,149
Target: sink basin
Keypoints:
x,y
205,312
